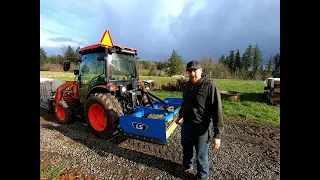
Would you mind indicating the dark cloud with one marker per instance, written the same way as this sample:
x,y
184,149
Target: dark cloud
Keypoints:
x,y
215,30
131,28
229,26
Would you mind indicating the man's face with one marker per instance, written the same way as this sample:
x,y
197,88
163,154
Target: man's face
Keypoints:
x,y
194,74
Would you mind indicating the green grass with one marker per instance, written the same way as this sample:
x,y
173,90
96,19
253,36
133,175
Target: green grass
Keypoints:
x,y
69,76
52,171
240,86
252,106
63,76
159,79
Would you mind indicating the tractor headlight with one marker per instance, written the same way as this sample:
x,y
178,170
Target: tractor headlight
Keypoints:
x,y
123,89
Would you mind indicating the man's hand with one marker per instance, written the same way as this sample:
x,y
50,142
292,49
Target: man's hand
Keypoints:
x,y
216,143
179,121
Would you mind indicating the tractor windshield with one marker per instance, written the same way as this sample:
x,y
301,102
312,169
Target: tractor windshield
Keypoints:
x,y
90,68
122,67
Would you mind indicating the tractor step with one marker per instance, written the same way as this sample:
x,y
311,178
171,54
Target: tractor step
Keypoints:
x,y
151,124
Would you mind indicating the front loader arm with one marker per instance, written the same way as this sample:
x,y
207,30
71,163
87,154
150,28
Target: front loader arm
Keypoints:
x,y
67,91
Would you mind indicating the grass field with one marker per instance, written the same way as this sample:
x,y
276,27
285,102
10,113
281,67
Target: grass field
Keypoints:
x,y
252,106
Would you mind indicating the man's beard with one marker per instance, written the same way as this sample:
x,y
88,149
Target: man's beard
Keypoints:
x,y
192,79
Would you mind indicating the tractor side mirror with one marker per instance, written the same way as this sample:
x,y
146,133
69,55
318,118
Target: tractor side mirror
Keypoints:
x,y
76,72
66,66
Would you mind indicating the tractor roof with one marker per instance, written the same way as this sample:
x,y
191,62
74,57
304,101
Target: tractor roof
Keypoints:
x,y
94,46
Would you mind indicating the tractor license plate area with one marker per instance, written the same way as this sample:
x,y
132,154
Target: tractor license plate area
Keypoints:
x,y
150,124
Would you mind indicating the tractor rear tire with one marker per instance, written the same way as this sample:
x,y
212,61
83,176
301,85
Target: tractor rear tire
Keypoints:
x,y
63,112
102,114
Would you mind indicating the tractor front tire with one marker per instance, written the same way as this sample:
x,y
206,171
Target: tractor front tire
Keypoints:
x,y
102,114
63,112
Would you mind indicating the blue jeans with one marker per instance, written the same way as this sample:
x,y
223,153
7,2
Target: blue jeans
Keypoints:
x,y
198,138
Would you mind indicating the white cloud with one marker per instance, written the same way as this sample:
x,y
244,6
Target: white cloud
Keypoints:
x,y
167,12
68,19
76,19
197,6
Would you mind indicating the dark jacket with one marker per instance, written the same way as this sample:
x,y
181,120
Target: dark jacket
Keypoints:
x,y
201,105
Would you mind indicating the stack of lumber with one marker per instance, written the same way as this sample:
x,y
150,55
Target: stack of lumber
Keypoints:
x,y
180,84
272,90
174,86
169,85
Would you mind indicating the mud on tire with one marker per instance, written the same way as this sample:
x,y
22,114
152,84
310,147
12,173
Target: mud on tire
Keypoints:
x,y
102,114
63,112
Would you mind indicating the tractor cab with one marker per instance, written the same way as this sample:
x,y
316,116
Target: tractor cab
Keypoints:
x,y
117,63
114,64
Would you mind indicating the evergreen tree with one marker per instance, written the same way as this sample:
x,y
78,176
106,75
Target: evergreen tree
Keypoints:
x,y
269,66
77,51
227,61
247,58
68,52
232,61
276,62
222,60
43,56
238,64
176,64
257,60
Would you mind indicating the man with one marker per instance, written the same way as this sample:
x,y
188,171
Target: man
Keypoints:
x,y
201,112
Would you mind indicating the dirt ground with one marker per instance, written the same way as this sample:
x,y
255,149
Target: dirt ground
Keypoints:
x,y
249,151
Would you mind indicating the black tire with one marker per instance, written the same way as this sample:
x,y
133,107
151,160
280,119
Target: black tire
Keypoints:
x,y
63,112
112,110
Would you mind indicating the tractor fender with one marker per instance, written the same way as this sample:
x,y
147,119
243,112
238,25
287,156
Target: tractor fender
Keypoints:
x,y
98,89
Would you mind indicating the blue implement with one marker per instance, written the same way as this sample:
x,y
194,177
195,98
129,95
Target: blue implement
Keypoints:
x,y
139,126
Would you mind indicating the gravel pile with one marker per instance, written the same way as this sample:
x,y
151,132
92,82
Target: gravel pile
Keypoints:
x,y
248,152
155,116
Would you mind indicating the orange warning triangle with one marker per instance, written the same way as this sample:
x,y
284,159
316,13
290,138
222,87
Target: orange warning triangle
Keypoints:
x,y
106,39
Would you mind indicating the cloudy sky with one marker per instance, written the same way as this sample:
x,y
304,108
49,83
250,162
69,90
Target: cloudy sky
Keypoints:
x,y
156,27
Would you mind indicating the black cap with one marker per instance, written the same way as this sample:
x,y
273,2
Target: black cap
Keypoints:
x,y
193,65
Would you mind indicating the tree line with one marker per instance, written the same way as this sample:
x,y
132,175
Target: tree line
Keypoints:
x,y
67,52
249,65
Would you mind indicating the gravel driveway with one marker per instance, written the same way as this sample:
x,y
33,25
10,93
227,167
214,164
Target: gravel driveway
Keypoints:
x,y
248,151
